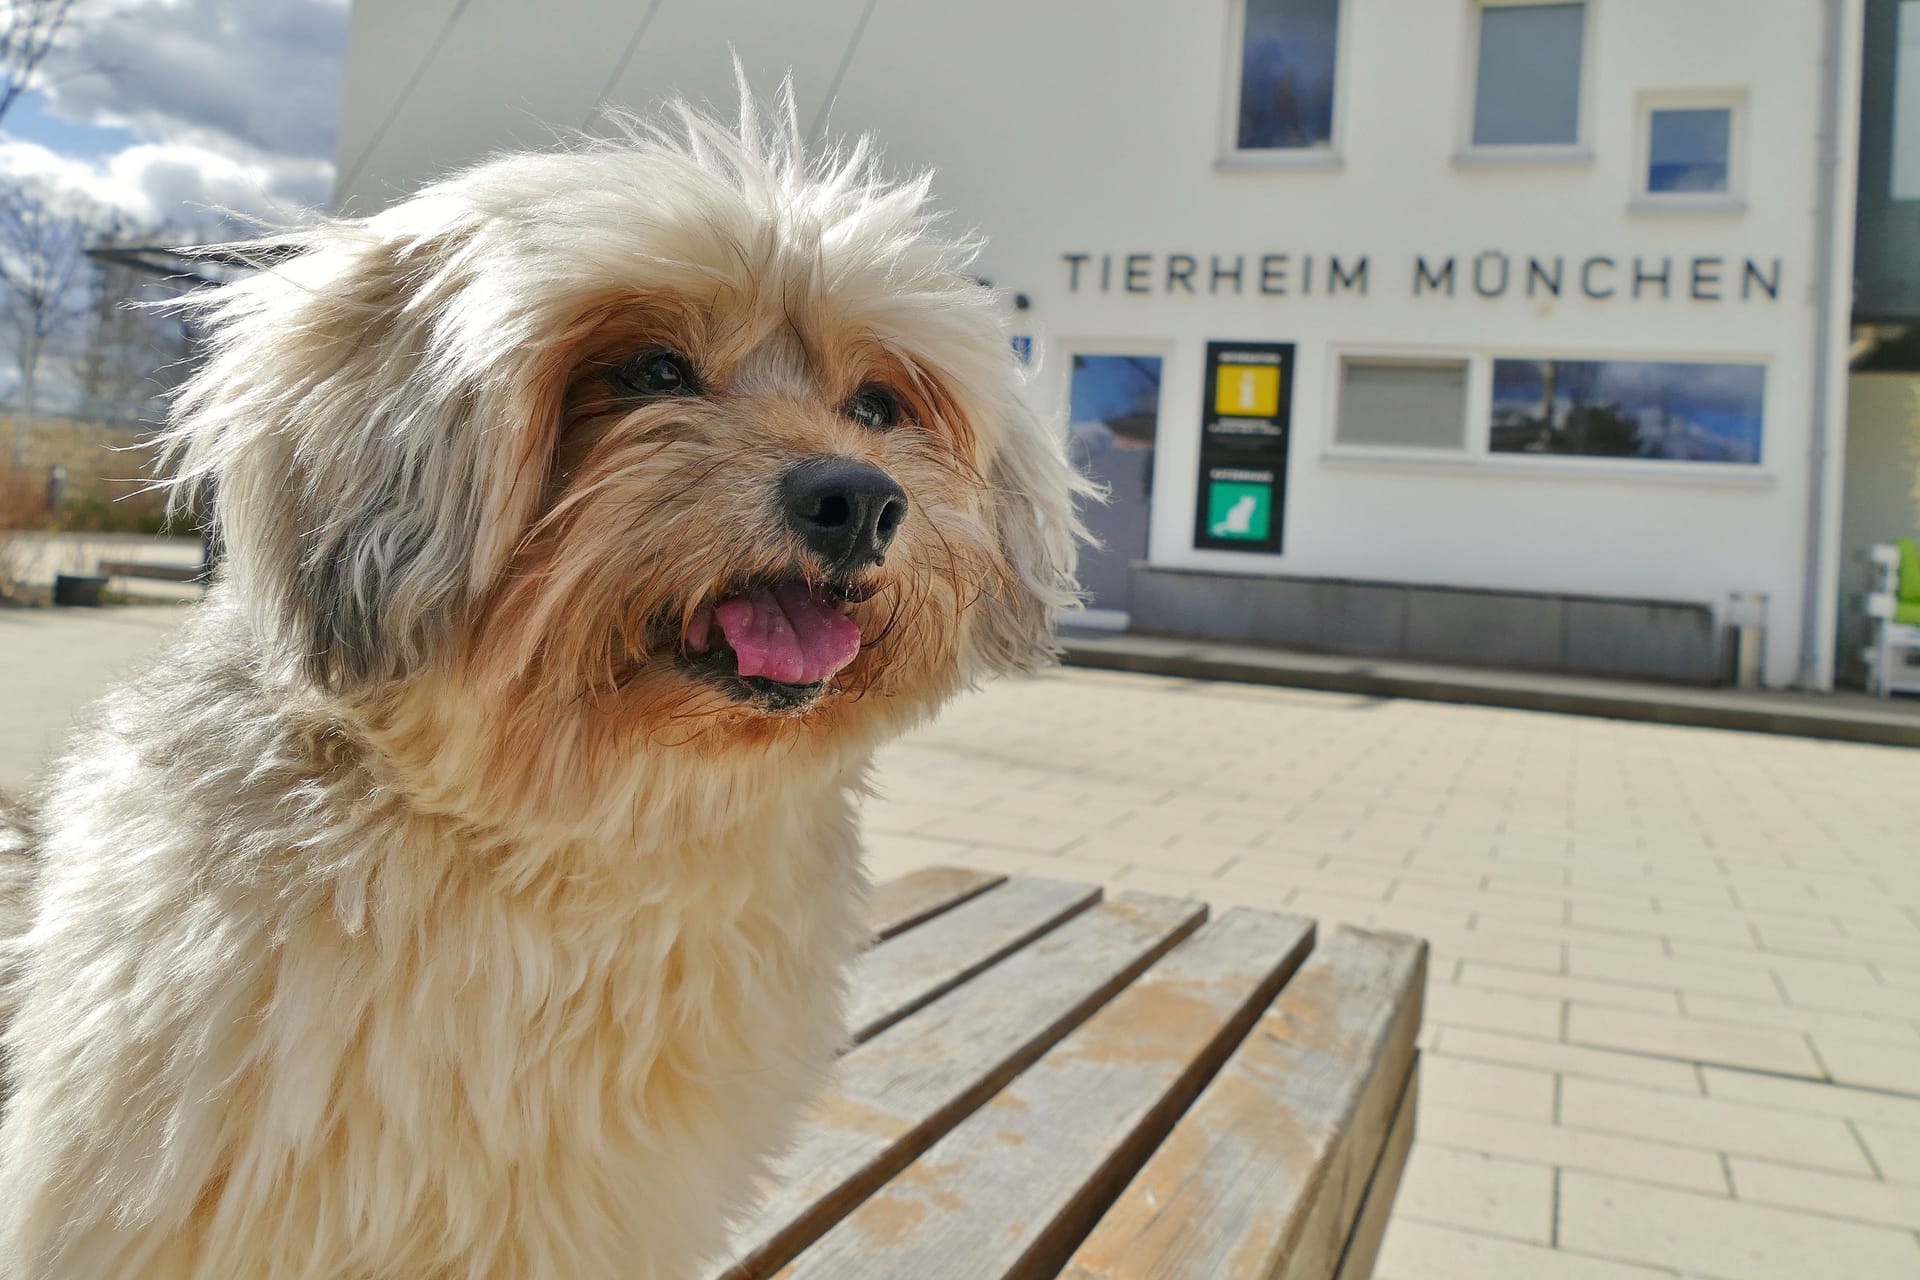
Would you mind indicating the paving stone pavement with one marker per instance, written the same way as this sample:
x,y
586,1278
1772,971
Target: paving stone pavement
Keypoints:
x,y
1673,1021
1673,1026
54,663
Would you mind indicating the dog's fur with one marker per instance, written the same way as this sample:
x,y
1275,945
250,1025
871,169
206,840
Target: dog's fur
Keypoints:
x,y
422,915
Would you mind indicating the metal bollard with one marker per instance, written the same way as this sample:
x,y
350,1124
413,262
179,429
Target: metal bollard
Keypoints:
x,y
1746,618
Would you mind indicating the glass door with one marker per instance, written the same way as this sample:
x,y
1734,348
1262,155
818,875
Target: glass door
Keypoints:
x,y
1113,415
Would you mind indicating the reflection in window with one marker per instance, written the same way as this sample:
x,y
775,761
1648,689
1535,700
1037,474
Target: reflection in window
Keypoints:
x,y
1113,407
1687,149
1528,86
1628,409
1115,400
1286,74
1906,105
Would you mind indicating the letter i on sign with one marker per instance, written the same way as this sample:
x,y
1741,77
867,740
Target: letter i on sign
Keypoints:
x,y
1247,390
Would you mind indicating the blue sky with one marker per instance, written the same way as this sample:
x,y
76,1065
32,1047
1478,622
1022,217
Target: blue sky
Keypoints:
x,y
32,118
170,111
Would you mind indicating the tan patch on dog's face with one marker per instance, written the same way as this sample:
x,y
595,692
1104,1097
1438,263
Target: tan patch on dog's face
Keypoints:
x,y
659,505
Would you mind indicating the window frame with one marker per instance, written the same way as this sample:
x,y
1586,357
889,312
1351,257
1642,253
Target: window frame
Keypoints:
x,y
1231,155
1734,199
1341,356
1577,152
1478,458
1058,354
1484,430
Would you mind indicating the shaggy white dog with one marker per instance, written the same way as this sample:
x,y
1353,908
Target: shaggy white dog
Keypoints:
x,y
470,893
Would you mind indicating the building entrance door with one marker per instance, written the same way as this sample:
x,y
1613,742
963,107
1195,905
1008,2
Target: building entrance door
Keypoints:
x,y
1113,415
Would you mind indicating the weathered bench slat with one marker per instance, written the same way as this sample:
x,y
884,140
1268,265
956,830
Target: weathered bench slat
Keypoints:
x,y
901,1090
899,905
1012,1189
917,966
1370,1227
1264,1176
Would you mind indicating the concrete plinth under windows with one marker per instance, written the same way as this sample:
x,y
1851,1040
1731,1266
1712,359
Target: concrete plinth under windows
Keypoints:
x,y
1667,640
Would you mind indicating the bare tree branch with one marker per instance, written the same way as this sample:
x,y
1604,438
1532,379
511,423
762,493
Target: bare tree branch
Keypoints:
x,y
131,354
43,244
44,237
29,29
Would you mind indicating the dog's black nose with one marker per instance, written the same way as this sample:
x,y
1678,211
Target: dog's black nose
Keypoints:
x,y
846,511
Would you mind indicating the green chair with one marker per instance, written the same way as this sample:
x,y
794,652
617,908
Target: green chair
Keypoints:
x,y
1895,608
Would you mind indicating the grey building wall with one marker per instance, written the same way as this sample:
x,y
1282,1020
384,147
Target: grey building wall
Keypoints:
x,y
1886,262
1882,410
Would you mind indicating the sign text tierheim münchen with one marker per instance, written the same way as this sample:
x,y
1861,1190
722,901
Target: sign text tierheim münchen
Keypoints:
x,y
1489,274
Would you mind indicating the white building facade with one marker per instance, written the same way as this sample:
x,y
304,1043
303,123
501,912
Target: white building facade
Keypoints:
x,y
1512,333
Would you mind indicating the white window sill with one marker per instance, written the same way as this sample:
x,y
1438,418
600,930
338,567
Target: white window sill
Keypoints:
x,y
1715,205
1295,158
1390,455
1508,157
1725,475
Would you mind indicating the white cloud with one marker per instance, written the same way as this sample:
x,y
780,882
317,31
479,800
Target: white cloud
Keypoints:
x,y
32,162
234,105
257,74
180,185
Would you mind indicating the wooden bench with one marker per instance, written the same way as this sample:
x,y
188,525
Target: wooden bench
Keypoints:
x,y
1047,1081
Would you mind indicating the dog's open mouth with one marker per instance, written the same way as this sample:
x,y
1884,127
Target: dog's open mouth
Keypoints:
x,y
777,645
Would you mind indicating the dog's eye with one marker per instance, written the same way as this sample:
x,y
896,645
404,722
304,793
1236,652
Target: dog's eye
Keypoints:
x,y
657,373
874,406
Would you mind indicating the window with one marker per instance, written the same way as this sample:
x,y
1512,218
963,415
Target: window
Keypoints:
x,y
1402,404
1688,149
1527,87
1691,150
1286,75
1628,409
1906,105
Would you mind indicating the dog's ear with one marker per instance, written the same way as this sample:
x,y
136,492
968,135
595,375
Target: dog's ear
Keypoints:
x,y
343,427
1034,521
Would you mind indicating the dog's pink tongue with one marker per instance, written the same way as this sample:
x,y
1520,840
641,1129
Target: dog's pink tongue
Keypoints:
x,y
789,634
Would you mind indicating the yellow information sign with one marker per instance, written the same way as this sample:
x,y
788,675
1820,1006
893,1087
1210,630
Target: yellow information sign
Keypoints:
x,y
1247,390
